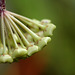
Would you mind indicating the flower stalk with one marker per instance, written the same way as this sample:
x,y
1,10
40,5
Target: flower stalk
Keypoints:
x,y
21,37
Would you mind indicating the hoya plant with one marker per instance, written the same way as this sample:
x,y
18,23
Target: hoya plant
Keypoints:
x,y
21,37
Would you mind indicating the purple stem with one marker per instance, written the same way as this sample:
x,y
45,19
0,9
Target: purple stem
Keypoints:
x,y
2,5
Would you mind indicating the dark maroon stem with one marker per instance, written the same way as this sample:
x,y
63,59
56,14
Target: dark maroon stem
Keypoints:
x,y
2,5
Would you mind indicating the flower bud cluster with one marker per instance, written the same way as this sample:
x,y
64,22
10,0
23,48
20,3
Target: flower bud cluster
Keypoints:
x,y
21,37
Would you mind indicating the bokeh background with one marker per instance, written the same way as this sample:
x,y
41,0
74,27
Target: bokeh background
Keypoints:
x,y
58,57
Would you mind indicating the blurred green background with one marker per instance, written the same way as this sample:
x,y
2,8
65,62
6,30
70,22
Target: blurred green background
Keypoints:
x,y
60,52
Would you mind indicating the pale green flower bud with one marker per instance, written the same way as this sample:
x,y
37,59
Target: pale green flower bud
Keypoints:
x,y
20,52
49,30
43,42
33,49
45,21
6,58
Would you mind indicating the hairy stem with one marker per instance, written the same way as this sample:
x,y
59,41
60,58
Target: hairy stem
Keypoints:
x,y
2,5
